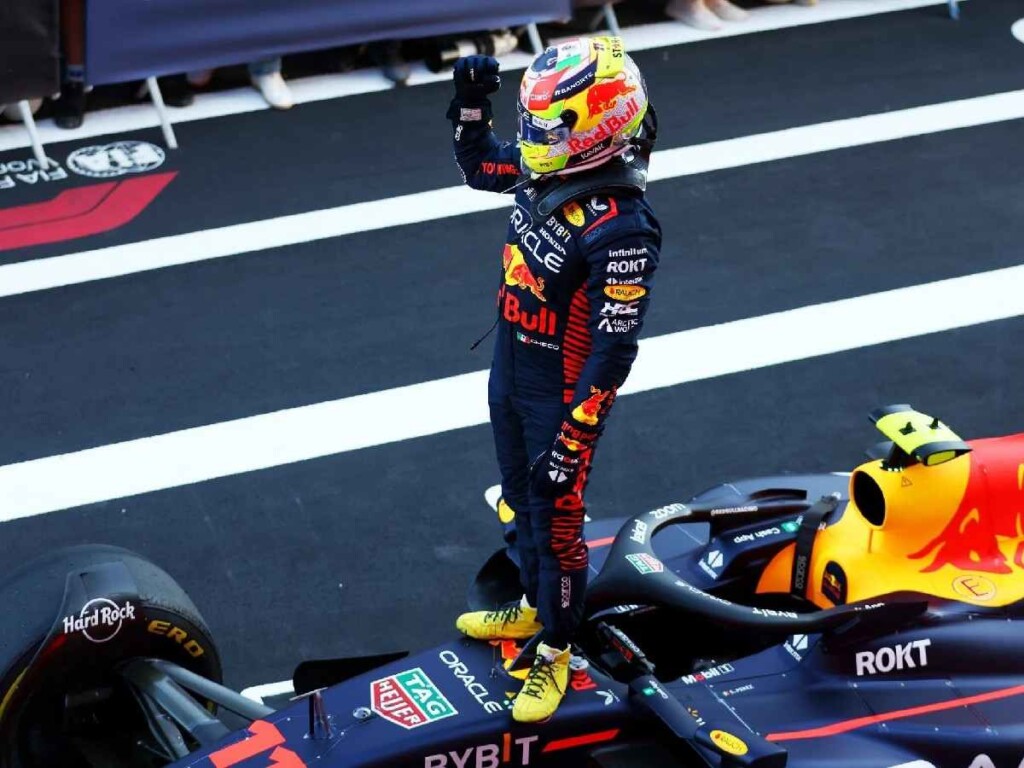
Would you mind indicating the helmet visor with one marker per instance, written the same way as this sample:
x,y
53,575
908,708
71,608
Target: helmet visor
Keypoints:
x,y
537,130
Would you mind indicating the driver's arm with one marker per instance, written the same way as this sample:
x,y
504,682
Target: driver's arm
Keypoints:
x,y
621,269
486,163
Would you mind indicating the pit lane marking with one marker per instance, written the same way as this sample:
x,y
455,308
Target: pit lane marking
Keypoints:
x,y
121,120
296,434
257,236
258,693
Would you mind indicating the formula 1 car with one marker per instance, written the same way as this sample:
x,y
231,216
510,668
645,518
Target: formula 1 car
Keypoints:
x,y
849,619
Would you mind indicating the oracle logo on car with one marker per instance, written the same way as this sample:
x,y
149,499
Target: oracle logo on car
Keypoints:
x,y
476,690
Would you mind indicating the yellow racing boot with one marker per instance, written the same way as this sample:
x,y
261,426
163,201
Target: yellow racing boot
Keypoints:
x,y
513,621
544,687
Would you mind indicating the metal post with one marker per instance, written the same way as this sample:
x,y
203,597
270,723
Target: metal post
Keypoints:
x,y
30,125
611,19
535,41
172,699
208,689
161,110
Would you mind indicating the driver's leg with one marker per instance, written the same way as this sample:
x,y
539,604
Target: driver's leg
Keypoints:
x,y
518,620
557,527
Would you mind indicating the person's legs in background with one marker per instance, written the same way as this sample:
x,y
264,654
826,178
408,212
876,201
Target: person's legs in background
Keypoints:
x,y
387,54
704,14
69,110
266,78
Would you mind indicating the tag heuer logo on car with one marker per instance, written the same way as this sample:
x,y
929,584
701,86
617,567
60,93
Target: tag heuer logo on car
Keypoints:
x,y
116,159
646,563
99,620
409,699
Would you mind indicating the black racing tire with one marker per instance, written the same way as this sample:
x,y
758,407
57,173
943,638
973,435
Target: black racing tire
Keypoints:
x,y
163,623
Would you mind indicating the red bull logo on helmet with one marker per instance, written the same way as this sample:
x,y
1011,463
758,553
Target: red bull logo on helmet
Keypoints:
x,y
602,96
606,129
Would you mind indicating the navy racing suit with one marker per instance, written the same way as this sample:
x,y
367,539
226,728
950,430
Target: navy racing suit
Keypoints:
x,y
574,287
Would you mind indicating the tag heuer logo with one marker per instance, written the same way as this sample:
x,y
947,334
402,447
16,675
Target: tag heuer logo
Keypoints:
x,y
409,699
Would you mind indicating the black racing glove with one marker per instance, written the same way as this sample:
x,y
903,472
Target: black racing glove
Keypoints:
x,y
476,77
555,472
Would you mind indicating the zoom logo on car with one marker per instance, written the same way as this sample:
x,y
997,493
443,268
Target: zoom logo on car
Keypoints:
x,y
99,620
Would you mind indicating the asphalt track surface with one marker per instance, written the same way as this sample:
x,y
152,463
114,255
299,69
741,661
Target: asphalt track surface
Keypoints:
x,y
371,550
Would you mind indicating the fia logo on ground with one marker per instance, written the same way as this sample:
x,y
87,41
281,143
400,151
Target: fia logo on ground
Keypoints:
x,y
29,171
116,159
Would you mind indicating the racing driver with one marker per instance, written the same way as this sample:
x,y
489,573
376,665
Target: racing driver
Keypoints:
x,y
581,249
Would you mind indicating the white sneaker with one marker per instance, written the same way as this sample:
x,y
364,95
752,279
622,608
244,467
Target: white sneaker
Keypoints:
x,y
693,13
726,11
274,90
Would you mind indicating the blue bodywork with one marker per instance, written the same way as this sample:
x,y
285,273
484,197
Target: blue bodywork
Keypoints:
x,y
942,688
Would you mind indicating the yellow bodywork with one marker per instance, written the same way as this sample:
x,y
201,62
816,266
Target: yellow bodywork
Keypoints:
x,y
954,530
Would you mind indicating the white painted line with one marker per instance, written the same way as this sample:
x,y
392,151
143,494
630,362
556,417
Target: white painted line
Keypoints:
x,y
258,693
255,236
120,120
491,496
1017,30
70,269
349,424
838,134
